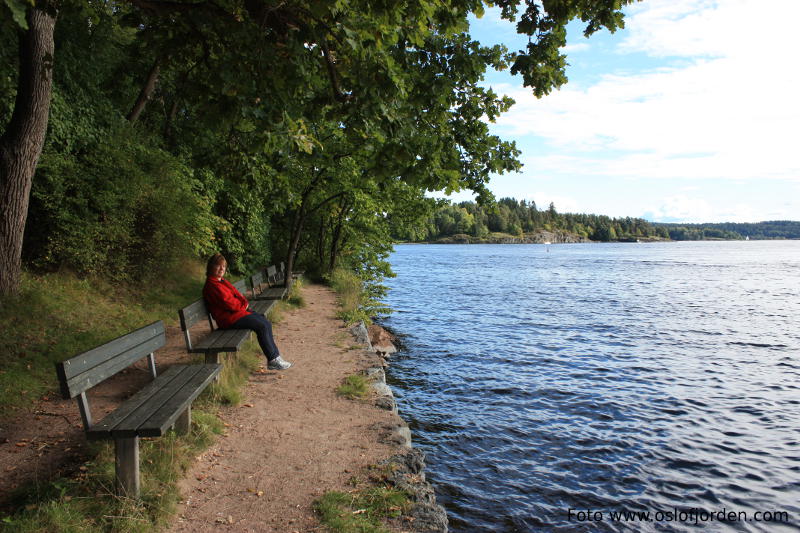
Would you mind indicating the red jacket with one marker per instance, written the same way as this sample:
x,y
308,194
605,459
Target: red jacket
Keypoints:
x,y
226,304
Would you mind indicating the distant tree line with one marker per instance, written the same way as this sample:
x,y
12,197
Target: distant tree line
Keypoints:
x,y
775,229
517,218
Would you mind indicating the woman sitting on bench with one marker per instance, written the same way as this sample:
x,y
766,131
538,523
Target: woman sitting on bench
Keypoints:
x,y
230,311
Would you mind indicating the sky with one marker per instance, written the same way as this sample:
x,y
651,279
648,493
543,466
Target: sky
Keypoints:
x,y
689,114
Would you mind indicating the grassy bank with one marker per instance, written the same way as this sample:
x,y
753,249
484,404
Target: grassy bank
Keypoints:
x,y
56,316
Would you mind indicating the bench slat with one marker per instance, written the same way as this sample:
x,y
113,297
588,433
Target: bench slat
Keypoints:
x,y
222,340
273,293
89,359
158,423
103,371
229,340
129,427
84,371
262,306
102,430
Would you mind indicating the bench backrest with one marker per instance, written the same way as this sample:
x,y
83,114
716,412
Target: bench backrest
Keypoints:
x,y
241,286
86,370
82,372
194,313
257,280
272,274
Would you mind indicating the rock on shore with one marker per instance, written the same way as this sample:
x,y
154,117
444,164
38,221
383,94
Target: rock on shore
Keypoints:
x,y
408,468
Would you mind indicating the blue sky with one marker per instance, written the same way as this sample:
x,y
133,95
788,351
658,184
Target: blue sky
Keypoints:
x,y
691,113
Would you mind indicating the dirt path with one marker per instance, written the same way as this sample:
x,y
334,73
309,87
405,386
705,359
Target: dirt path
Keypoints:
x,y
291,440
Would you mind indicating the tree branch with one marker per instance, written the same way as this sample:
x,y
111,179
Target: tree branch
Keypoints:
x,y
325,201
330,65
147,91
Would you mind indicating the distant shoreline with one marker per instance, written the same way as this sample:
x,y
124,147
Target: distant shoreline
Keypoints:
x,y
526,240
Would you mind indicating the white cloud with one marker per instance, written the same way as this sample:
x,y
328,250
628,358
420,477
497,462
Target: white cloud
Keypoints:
x,y
681,207
577,47
699,210
730,111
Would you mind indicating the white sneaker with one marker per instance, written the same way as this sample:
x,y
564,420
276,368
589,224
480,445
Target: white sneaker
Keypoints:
x,y
278,364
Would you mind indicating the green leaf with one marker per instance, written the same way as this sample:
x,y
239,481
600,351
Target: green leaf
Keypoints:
x,y
18,9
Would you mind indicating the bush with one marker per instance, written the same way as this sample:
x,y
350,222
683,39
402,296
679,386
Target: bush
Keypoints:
x,y
125,209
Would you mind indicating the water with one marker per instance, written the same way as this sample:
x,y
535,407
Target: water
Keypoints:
x,y
655,378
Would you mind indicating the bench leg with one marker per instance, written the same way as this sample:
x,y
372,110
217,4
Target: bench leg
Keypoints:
x,y
184,422
127,466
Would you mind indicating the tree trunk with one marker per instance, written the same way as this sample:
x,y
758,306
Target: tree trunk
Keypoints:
x,y
321,242
294,240
22,142
336,235
147,91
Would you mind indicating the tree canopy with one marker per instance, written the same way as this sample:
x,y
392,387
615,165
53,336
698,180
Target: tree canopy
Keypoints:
x,y
296,131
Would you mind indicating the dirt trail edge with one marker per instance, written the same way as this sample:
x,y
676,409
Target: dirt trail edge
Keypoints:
x,y
292,438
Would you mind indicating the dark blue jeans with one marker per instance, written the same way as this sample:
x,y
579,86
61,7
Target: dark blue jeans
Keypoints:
x,y
259,323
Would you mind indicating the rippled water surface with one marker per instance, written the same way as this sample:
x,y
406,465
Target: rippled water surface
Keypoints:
x,y
603,377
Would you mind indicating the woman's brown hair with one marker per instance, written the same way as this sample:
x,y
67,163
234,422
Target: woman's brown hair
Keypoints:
x,y
213,261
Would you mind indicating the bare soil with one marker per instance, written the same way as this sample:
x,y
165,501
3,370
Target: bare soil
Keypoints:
x,y
291,439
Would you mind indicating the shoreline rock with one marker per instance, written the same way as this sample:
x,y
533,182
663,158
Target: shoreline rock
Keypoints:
x,y
407,468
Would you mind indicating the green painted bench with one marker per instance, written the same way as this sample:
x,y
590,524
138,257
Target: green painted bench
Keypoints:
x,y
264,283
216,341
163,403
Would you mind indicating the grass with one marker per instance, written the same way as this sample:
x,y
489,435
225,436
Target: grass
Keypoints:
x,y
56,316
86,501
351,296
355,387
294,300
361,511
236,371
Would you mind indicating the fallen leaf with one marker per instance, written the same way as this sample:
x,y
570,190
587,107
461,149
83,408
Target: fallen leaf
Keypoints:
x,y
360,511
21,444
247,405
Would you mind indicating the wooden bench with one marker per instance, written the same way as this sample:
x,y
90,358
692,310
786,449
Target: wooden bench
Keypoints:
x,y
264,283
161,404
295,273
257,305
217,341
